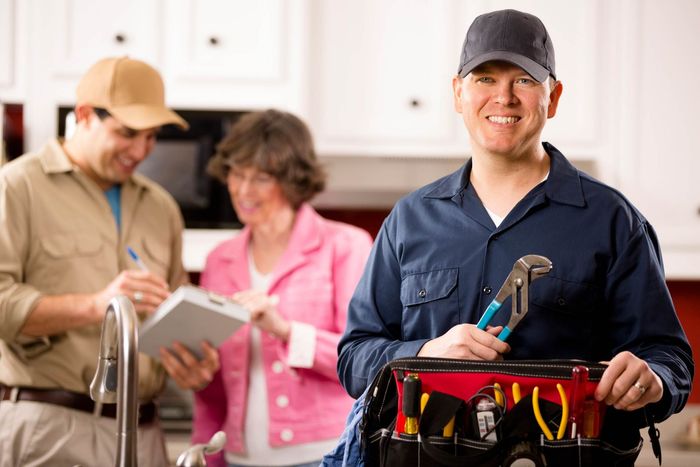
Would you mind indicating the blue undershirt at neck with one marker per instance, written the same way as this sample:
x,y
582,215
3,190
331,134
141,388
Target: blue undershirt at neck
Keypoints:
x,y
114,199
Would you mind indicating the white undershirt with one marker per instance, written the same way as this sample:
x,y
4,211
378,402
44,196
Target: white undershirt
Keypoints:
x,y
494,217
498,219
257,448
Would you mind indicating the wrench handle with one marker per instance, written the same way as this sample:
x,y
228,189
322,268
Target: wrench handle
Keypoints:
x,y
493,307
503,335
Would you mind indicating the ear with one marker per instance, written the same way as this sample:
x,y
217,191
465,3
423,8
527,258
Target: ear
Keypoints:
x,y
457,93
83,113
554,99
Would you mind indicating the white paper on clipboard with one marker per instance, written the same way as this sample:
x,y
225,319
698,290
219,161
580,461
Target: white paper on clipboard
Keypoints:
x,y
190,315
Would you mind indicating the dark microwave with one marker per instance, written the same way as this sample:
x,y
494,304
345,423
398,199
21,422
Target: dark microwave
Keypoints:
x,y
178,163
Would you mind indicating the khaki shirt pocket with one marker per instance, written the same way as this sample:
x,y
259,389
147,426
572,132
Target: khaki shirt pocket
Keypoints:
x,y
69,262
157,257
70,245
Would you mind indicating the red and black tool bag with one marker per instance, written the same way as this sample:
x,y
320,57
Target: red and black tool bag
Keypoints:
x,y
462,388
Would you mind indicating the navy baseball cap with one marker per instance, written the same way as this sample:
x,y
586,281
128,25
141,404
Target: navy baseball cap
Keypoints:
x,y
510,36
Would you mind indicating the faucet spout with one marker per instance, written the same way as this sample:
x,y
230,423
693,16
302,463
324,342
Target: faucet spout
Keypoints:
x,y
116,377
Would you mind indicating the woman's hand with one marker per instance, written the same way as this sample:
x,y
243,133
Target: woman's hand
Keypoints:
x,y
263,312
184,368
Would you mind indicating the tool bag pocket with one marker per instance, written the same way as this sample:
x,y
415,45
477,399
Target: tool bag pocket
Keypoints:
x,y
464,421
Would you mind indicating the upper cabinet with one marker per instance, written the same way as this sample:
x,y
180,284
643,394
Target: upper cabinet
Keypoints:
x,y
236,53
226,54
84,31
658,162
382,74
13,46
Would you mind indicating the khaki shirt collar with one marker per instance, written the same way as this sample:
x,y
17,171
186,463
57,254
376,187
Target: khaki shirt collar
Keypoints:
x,y
54,159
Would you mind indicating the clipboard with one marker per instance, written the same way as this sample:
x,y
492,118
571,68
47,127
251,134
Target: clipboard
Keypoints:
x,y
190,315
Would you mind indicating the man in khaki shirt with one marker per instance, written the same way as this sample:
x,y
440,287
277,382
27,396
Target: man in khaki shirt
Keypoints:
x,y
67,214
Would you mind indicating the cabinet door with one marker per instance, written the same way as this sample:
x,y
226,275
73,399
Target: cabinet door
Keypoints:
x,y
660,167
13,53
236,54
226,39
382,75
7,41
80,32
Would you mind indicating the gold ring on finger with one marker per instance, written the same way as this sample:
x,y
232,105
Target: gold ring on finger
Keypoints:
x,y
640,387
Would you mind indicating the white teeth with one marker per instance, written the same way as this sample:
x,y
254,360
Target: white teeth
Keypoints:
x,y
503,120
126,162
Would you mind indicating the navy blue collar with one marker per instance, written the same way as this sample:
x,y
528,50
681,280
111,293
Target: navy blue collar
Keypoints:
x,y
563,184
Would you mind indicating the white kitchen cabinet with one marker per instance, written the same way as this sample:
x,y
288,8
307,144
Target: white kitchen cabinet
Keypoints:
x,y
212,54
84,31
236,54
13,43
383,72
659,164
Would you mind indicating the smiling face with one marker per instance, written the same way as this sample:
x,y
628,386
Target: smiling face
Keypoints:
x,y
257,196
110,151
504,108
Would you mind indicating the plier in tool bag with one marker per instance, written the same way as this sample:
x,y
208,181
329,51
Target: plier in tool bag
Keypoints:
x,y
525,270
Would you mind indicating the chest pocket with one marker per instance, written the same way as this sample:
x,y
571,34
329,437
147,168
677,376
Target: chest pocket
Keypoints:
x,y
157,256
430,303
70,245
568,297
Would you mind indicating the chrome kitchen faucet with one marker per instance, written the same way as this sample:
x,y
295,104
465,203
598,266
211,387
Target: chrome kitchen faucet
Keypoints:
x,y
116,377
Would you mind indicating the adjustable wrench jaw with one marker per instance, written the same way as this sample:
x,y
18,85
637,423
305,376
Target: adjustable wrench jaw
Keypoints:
x,y
526,270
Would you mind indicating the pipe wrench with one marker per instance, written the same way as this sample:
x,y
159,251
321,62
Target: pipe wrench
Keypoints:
x,y
525,270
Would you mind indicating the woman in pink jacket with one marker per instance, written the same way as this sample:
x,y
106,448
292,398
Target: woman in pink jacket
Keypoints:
x,y
277,395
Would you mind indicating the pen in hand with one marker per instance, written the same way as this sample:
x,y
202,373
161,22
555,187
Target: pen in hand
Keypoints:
x,y
136,259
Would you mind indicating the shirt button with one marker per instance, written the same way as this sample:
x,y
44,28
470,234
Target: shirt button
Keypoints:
x,y
286,435
561,301
486,290
422,293
282,401
277,367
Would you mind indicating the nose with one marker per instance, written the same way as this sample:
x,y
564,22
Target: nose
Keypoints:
x,y
239,185
140,147
504,94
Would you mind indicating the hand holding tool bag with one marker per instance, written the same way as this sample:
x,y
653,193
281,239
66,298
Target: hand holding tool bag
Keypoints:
x,y
445,412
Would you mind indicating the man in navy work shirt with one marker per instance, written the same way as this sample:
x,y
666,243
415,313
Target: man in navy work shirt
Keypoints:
x,y
444,251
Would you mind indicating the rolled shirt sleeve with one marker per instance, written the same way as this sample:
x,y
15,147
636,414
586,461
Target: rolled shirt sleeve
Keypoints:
x,y
17,299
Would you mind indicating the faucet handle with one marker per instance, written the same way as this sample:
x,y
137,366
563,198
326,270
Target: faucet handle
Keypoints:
x,y
103,387
194,456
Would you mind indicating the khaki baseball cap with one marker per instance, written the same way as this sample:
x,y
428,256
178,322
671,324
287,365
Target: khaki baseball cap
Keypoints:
x,y
130,90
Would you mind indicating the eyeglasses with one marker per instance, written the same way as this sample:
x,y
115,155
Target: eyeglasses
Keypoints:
x,y
254,177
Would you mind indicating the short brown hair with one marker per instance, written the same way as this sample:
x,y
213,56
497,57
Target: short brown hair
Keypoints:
x,y
277,143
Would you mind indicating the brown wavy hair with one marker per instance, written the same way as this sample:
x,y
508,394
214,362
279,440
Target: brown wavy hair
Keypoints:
x,y
277,143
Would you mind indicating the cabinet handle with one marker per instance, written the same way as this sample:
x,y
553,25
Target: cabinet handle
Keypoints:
x,y
120,38
213,40
415,103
